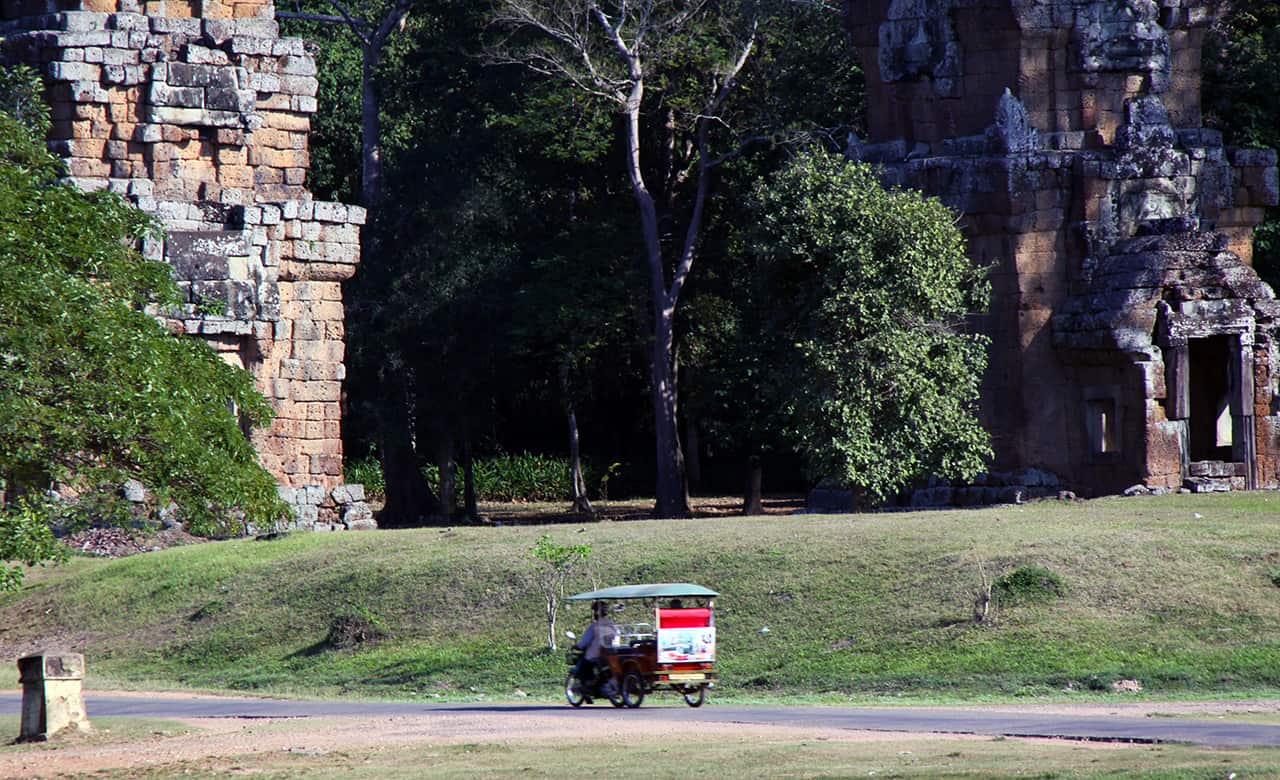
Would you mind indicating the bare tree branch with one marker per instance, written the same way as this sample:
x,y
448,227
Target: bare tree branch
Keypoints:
x,y
704,164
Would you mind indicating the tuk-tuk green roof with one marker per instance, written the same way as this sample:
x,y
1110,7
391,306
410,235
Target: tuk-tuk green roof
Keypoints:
x,y
662,590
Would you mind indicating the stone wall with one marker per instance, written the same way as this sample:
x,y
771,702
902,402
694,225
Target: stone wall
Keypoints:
x,y
199,112
1067,133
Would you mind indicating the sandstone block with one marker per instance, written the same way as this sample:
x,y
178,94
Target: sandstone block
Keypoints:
x,y
348,494
327,465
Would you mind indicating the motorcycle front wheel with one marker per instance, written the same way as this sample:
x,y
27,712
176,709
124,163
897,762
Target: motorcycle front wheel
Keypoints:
x,y
573,690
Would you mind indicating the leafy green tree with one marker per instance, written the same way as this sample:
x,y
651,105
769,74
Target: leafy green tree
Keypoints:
x,y
555,565
803,85
93,389
573,311
371,24
864,293
496,246
369,110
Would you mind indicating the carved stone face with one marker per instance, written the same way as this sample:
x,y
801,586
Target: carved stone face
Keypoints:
x,y
1122,36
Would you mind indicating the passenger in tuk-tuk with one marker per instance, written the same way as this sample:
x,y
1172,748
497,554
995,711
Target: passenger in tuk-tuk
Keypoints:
x,y
598,635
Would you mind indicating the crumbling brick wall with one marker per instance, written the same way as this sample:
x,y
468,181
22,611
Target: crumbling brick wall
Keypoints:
x,y
199,112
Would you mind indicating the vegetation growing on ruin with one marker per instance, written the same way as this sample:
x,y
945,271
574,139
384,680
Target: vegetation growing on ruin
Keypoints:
x,y
93,389
1174,592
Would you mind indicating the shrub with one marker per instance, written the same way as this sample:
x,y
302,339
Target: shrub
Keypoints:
x,y
1028,585
366,471
500,478
521,477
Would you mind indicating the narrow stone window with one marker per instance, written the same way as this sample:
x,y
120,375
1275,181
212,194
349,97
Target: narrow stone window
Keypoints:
x,y
1102,425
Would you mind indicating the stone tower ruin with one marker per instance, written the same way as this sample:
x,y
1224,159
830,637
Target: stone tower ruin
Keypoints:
x,y
198,112
1131,340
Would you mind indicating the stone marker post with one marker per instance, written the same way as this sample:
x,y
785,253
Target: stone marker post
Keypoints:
x,y
51,699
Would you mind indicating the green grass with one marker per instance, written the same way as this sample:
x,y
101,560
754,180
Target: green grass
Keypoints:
x,y
856,606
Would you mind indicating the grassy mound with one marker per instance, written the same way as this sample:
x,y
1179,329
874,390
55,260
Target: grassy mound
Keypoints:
x,y
1175,592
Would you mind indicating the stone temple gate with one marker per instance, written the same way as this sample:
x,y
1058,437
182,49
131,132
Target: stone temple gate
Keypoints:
x,y
199,112
1131,340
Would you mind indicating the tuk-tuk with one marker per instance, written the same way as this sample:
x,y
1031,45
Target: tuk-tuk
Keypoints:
x,y
670,645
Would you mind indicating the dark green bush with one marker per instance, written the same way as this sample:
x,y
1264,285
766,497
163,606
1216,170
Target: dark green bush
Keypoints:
x,y
1028,585
365,471
521,477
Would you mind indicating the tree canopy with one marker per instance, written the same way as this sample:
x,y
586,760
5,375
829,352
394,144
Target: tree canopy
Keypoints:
x,y
862,294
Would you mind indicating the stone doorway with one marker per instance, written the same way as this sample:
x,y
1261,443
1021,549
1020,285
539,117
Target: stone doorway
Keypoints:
x,y
1209,380
1216,392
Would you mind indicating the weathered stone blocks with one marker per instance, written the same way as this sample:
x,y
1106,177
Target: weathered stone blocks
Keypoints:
x,y
199,112
1067,134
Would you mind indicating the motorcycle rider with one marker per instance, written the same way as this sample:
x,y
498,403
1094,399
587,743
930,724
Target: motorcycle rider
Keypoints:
x,y
598,635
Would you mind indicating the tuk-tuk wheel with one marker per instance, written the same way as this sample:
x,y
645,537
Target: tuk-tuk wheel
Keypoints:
x,y
632,690
694,697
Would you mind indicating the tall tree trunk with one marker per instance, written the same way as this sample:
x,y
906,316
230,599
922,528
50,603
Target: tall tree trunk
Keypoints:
x,y
675,393
578,484
752,500
669,483
448,469
669,491
409,500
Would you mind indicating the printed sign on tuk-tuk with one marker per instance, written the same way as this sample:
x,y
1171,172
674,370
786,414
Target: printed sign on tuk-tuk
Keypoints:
x,y
680,645
686,635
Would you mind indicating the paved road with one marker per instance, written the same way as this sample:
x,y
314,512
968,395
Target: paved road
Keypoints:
x,y
1111,728
994,722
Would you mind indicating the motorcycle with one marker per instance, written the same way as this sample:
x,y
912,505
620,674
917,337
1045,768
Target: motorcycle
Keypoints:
x,y
598,686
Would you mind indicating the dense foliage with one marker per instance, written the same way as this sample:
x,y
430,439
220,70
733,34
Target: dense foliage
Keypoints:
x,y
93,389
863,293
26,539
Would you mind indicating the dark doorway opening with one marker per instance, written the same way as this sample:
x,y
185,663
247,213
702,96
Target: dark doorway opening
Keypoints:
x,y
1210,379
